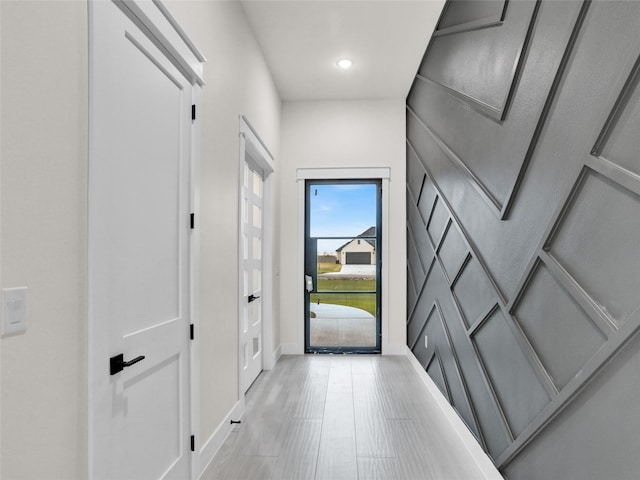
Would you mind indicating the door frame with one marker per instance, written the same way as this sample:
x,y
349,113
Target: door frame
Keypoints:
x,y
162,29
347,173
252,145
308,270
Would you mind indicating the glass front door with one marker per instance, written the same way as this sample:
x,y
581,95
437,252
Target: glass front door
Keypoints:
x,y
342,266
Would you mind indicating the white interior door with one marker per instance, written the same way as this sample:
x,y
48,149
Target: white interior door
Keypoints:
x,y
139,200
251,337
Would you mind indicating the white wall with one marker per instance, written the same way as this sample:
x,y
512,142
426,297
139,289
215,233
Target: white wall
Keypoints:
x,y
342,134
238,82
43,224
43,220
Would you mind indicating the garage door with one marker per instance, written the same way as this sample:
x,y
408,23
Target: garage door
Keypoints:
x,y
358,258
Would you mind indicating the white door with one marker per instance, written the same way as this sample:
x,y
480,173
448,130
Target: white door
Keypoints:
x,y
251,338
139,179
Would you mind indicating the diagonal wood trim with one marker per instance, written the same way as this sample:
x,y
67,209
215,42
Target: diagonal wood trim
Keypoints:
x,y
443,235
496,206
421,289
484,108
451,279
523,342
417,200
412,282
461,267
411,238
571,391
494,113
463,381
436,356
470,245
614,172
487,383
482,318
619,106
542,120
483,22
525,346
421,333
595,312
502,208
617,336
486,22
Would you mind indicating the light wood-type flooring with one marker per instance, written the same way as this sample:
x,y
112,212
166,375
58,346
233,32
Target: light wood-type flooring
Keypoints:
x,y
335,417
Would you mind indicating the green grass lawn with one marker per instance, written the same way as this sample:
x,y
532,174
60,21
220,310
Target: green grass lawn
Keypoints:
x,y
346,285
363,301
328,267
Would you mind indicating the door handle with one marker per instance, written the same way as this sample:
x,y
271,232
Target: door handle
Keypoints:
x,y
253,297
117,363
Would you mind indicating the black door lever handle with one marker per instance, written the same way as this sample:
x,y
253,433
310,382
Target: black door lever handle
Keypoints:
x,y
117,363
253,297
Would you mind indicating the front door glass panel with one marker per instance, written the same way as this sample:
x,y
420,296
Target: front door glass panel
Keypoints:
x,y
342,256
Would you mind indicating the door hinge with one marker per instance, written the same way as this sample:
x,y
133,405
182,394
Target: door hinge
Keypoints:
x,y
193,443
193,112
193,221
192,333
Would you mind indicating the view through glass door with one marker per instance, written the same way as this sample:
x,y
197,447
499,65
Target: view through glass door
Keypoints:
x,y
342,266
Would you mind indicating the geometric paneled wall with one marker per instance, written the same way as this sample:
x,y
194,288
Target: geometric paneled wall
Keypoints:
x,y
523,231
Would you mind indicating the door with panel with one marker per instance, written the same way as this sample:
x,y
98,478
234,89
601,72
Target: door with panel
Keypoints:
x,y
139,212
251,335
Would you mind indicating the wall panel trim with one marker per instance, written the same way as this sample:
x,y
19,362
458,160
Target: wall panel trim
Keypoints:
x,y
485,194
463,381
482,460
619,106
606,325
617,335
420,290
502,208
555,87
436,356
487,22
570,392
470,245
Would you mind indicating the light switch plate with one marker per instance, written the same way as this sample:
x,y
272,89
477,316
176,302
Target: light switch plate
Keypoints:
x,y
14,310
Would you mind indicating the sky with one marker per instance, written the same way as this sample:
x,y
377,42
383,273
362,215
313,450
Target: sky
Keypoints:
x,y
341,210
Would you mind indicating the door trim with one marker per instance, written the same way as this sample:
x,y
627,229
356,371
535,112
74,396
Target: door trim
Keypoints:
x,y
252,144
347,173
161,28
194,294
308,270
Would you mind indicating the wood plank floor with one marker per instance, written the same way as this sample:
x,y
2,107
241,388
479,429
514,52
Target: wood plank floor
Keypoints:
x,y
341,417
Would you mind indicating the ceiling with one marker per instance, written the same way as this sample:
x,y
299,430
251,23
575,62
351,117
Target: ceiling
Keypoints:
x,y
303,39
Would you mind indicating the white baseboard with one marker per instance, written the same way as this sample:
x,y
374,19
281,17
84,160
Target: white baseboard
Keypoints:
x,y
478,455
394,349
215,441
291,349
275,356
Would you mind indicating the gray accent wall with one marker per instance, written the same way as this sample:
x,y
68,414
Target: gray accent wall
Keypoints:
x,y
523,231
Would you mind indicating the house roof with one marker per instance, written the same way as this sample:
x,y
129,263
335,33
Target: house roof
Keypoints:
x,y
369,232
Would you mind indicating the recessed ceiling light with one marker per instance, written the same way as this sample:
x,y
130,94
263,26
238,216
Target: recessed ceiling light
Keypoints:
x,y
344,63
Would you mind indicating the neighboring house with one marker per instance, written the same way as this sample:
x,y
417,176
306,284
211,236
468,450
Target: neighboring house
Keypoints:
x,y
359,251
